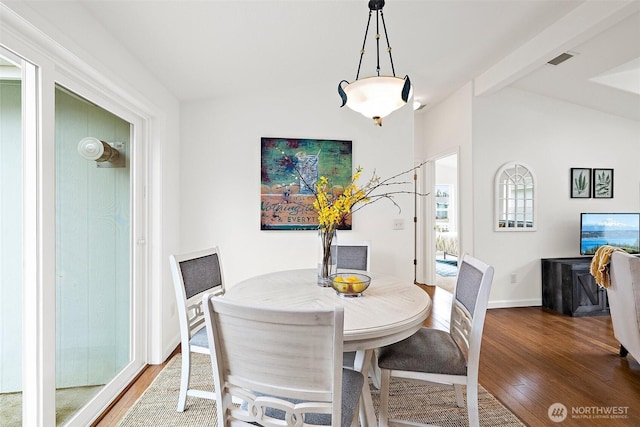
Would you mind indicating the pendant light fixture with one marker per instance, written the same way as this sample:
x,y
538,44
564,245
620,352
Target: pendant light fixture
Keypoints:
x,y
376,96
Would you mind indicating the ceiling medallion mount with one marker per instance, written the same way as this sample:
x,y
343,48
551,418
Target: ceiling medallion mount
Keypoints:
x,y
376,96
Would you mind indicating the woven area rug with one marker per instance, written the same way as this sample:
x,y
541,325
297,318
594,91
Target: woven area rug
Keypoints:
x,y
427,404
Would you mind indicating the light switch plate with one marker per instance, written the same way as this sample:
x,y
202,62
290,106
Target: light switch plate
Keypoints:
x,y
398,224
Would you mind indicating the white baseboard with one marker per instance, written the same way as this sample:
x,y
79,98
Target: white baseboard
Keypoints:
x,y
515,303
166,352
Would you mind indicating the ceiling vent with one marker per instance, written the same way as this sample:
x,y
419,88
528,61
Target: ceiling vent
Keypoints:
x,y
560,58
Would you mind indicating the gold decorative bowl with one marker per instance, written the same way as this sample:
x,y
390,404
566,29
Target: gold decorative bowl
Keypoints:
x,y
349,284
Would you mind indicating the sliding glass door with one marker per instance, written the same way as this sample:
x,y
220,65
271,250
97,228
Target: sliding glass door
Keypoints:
x,y
72,275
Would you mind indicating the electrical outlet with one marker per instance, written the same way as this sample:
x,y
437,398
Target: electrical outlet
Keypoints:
x,y
398,224
514,278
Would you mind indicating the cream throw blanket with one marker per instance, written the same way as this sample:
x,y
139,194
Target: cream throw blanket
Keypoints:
x,y
600,265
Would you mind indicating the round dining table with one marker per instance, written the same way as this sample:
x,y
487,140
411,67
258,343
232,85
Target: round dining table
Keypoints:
x,y
389,310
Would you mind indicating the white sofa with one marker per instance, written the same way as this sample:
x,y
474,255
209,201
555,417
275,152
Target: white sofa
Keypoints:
x,y
624,302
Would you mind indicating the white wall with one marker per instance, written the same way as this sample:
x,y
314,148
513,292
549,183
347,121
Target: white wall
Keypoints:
x,y
550,137
220,178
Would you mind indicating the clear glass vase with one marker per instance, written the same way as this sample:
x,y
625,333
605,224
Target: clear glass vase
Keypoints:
x,y
327,256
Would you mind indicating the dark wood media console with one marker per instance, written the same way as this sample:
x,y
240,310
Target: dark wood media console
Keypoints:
x,y
569,288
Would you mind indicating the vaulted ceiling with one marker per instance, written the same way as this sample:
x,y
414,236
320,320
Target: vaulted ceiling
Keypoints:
x,y
218,48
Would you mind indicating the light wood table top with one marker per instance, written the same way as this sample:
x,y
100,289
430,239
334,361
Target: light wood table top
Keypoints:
x,y
389,311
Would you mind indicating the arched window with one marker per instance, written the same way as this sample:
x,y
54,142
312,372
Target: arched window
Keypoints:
x,y
515,198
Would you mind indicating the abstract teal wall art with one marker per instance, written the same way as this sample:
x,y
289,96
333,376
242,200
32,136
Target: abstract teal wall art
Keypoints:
x,y
290,169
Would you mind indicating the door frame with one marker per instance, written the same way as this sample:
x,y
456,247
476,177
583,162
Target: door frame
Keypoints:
x,y
427,219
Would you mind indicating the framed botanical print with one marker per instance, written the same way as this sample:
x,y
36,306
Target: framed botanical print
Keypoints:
x,y
603,183
580,183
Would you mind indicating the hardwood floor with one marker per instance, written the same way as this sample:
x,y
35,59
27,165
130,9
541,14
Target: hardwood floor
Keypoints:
x,y
531,358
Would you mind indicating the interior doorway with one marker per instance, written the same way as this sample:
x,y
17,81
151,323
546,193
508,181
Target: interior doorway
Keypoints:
x,y
446,229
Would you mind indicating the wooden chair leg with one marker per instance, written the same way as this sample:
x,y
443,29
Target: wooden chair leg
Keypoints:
x,y
459,398
184,380
383,412
374,370
472,405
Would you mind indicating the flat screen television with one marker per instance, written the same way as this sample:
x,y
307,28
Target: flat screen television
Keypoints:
x,y
621,230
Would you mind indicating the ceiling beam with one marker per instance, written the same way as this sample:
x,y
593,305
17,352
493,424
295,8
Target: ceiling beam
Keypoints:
x,y
578,26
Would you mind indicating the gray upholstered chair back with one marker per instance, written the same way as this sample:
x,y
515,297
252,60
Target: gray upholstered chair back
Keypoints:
x,y
469,306
201,274
354,255
468,285
195,273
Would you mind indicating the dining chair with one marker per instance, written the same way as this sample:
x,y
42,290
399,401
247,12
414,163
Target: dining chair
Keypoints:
x,y
446,357
357,256
354,255
194,274
281,364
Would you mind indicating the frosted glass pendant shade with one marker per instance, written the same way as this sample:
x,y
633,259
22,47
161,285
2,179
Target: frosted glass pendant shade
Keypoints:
x,y
377,97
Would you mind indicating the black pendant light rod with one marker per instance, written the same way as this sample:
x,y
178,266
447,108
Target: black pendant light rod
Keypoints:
x,y
386,36
364,42
378,42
